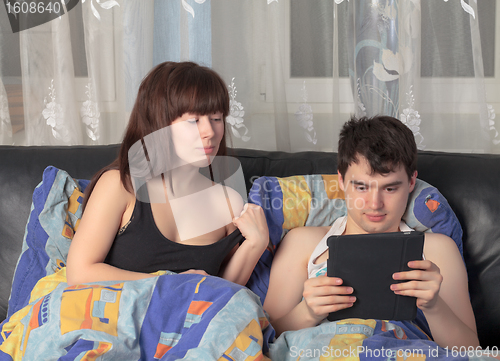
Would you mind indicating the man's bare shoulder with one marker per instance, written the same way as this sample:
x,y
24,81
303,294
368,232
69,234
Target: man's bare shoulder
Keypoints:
x,y
439,240
304,230
306,236
299,244
437,245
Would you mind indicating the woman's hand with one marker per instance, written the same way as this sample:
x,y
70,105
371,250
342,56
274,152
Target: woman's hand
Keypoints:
x,y
424,283
253,225
324,294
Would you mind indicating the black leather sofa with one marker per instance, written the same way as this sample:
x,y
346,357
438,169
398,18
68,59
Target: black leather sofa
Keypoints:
x,y
470,182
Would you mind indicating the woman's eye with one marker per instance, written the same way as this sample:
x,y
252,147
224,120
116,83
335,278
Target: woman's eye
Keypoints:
x,y
192,120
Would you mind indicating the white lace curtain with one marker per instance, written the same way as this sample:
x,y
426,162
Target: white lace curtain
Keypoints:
x,y
295,69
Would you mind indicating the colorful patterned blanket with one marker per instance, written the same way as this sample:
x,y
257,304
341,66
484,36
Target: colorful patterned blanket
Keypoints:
x,y
177,317
169,317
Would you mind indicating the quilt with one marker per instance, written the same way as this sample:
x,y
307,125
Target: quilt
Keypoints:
x,y
182,316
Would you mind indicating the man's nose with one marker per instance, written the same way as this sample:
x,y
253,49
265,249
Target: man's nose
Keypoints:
x,y
376,199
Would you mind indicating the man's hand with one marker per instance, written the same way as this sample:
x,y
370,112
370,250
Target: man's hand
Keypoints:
x,y
424,283
195,271
325,294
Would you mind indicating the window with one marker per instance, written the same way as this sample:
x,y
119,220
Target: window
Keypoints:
x,y
316,17
11,64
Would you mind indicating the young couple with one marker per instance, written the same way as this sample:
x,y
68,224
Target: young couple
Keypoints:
x,y
124,237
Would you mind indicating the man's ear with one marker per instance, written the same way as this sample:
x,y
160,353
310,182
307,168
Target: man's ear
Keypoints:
x,y
413,180
341,181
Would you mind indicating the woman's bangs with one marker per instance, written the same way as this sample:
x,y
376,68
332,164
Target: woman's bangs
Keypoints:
x,y
200,94
210,99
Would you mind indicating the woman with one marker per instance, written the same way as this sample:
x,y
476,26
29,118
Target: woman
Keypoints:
x,y
152,209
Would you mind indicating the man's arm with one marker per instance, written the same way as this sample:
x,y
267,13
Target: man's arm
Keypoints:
x,y
440,285
289,282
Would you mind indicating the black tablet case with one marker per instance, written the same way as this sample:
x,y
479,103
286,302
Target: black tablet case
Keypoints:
x,y
366,262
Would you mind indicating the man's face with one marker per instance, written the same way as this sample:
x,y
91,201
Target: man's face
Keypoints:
x,y
375,202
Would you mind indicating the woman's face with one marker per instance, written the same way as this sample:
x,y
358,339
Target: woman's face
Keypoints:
x,y
196,138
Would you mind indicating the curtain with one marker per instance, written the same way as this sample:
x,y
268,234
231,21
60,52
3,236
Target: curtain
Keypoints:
x,y
391,75
296,70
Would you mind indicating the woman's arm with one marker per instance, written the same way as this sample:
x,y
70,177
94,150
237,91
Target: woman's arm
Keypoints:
x,y
440,285
253,226
96,232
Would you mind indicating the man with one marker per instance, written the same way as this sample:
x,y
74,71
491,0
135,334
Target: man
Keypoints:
x,y
377,171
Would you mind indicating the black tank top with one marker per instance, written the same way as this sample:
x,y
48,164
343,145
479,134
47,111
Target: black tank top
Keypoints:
x,y
140,246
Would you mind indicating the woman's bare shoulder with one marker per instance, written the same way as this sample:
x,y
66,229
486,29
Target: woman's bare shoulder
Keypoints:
x,y
109,177
109,186
235,199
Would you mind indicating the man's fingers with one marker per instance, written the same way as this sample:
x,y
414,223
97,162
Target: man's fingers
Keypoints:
x,y
422,296
327,291
416,285
325,310
195,271
324,280
327,304
419,275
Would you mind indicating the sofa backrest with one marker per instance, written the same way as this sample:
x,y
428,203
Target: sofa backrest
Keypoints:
x,y
468,181
21,170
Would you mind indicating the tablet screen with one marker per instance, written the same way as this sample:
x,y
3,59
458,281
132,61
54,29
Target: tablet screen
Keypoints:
x,y
366,262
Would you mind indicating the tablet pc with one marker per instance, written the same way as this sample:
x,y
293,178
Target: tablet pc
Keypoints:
x,y
366,262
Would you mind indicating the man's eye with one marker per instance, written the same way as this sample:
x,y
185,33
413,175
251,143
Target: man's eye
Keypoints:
x,y
192,120
361,188
217,119
391,190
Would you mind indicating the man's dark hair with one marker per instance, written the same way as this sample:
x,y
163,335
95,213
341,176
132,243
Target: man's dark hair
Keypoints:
x,y
384,141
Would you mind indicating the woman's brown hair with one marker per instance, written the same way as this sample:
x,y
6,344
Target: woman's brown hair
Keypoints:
x,y
167,92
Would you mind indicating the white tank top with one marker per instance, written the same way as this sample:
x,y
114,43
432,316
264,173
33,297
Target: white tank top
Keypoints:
x,y
338,227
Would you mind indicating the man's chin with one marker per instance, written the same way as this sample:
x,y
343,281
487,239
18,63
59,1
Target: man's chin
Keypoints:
x,y
373,227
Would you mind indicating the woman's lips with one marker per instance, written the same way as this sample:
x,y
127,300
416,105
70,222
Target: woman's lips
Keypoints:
x,y
207,150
